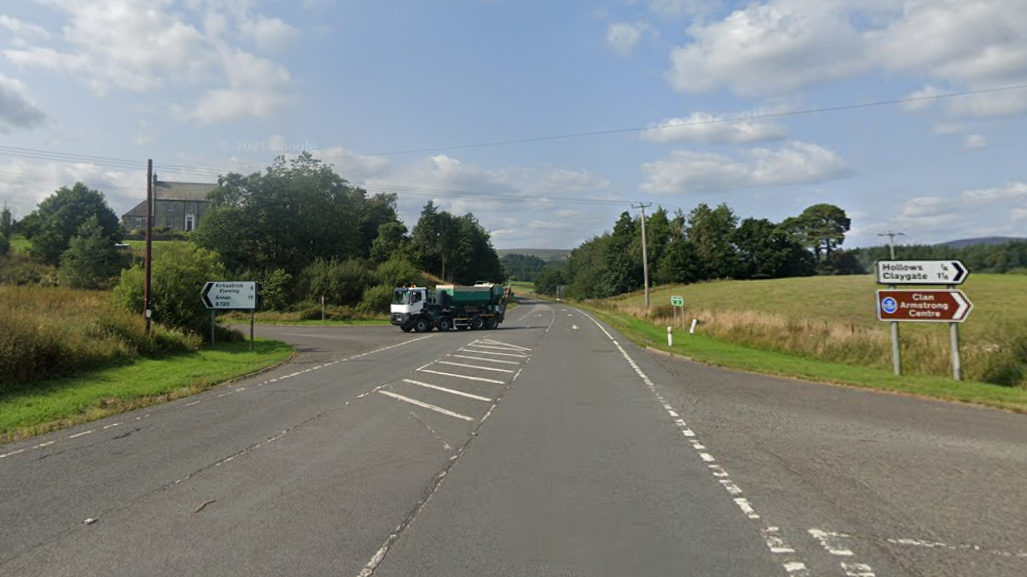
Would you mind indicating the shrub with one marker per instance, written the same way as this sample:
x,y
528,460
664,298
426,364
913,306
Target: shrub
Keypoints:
x,y
377,299
179,273
5,245
90,260
274,290
398,271
20,269
341,283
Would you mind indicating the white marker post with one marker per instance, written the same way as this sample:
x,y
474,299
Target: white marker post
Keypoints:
x,y
691,330
670,336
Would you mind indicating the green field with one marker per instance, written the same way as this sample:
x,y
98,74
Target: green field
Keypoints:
x,y
833,320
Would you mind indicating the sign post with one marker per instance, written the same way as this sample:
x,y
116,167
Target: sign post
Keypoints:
x,y
678,301
230,296
948,305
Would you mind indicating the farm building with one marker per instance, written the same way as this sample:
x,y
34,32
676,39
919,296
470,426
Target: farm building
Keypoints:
x,y
177,205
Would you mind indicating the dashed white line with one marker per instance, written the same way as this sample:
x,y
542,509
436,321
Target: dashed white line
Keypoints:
x,y
481,379
428,406
775,542
12,453
831,542
706,457
857,570
500,361
796,568
111,426
46,444
975,548
83,433
490,341
450,391
193,403
480,368
746,508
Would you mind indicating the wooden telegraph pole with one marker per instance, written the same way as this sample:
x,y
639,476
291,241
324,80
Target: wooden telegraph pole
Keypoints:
x,y
149,241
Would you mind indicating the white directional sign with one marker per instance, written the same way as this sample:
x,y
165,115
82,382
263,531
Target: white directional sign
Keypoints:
x,y
921,272
230,295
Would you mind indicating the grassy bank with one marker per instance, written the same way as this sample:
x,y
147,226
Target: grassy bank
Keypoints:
x,y
64,402
833,319
704,348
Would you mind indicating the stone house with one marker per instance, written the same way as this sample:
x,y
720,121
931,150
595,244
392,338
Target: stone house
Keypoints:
x,y
177,205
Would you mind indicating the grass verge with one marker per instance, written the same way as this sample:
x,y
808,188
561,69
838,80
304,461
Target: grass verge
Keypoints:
x,y
61,403
701,348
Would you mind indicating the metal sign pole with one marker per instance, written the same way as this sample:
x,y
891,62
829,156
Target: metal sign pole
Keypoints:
x,y
957,368
896,353
252,314
212,328
675,323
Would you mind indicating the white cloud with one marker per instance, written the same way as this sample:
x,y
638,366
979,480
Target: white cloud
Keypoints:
x,y
925,93
269,34
945,128
353,167
696,172
768,49
705,128
925,206
1011,191
623,36
22,29
974,141
17,111
23,184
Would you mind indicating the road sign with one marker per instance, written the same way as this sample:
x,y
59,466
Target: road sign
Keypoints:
x,y
939,306
230,295
677,301
921,272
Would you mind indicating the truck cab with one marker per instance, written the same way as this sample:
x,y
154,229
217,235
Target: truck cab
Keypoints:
x,y
407,304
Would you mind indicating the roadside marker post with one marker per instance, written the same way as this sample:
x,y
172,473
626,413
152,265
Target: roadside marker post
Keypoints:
x,y
670,336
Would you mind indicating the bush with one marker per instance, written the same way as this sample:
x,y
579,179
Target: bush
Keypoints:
x,y
53,332
19,269
5,245
91,260
341,283
274,290
179,273
377,299
398,271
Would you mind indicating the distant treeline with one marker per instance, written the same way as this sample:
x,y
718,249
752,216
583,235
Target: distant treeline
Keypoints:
x,y
1007,257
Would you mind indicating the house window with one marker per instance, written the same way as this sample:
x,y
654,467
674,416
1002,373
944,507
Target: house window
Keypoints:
x,y
139,222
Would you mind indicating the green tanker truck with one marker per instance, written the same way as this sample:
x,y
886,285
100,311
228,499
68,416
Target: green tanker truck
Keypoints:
x,y
420,309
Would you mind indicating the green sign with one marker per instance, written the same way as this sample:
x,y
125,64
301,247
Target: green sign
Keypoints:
x,y
677,301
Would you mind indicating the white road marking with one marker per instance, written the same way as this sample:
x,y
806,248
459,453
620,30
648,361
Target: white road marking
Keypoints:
x,y
76,435
490,341
975,548
731,487
445,390
193,403
46,444
746,508
775,542
480,368
673,414
857,570
500,361
796,568
482,379
12,453
707,457
831,542
493,353
495,348
111,426
688,433
718,471
428,406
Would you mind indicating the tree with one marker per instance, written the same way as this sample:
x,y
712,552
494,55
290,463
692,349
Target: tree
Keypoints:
x,y
90,260
59,217
180,270
709,230
766,251
821,228
285,218
5,245
6,222
392,240
455,249
548,279
522,267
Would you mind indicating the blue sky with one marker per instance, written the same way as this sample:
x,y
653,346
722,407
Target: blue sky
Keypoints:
x,y
208,86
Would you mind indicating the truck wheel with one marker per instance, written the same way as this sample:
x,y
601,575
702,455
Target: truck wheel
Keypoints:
x,y
492,323
421,326
445,323
477,323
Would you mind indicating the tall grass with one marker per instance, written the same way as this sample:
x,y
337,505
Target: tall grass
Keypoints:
x,y
52,332
999,356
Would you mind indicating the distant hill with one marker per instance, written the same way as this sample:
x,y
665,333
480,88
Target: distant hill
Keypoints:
x,y
546,254
963,243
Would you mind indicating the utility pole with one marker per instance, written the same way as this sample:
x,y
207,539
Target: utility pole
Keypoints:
x,y
645,257
896,357
149,241
891,240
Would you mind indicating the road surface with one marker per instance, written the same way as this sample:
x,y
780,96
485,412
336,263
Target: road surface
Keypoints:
x,y
551,446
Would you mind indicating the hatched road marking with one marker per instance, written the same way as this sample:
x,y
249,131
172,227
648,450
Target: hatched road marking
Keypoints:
x,y
450,391
428,406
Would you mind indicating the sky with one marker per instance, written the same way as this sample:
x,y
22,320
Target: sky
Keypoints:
x,y
545,119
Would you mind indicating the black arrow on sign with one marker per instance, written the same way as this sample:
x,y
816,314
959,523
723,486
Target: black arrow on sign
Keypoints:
x,y
960,272
203,293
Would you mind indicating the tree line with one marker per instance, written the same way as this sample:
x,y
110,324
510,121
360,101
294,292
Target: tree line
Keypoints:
x,y
298,228
999,258
707,243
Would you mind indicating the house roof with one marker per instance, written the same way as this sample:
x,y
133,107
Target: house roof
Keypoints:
x,y
139,210
192,191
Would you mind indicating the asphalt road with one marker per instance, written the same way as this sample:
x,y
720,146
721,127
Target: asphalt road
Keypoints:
x,y
551,446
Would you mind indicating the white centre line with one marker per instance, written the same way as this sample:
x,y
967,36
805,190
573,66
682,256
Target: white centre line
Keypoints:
x,y
492,342
484,380
445,390
500,361
477,352
495,348
480,368
446,412
79,434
